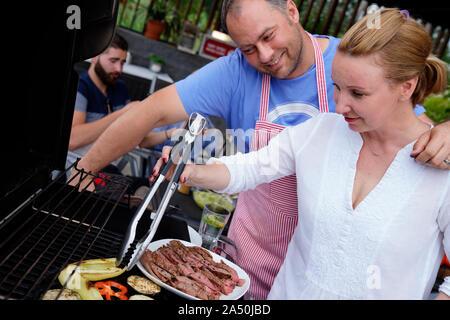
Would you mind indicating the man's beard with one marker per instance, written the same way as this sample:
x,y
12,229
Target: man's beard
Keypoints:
x,y
294,57
297,54
107,78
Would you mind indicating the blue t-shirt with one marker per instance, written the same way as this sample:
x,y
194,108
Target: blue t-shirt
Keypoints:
x,y
92,101
230,88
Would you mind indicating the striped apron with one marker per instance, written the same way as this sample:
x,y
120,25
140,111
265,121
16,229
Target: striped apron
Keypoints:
x,y
265,218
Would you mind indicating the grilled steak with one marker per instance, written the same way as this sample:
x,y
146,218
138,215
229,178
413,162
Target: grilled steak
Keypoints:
x,y
191,270
193,288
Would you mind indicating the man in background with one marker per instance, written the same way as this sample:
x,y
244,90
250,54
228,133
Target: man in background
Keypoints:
x,y
101,98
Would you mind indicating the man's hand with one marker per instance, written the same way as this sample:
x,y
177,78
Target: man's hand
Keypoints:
x,y
82,181
433,147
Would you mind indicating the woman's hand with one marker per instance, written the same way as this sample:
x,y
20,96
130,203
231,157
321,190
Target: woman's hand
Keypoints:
x,y
165,154
186,175
212,176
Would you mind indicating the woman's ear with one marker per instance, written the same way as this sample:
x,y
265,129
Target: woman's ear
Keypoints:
x,y
407,88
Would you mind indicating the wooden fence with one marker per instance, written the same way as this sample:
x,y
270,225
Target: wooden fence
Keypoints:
x,y
332,17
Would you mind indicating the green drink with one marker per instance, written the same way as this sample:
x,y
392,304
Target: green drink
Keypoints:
x,y
214,220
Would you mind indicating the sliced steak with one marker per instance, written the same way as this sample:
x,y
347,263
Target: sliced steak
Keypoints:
x,y
201,278
225,286
234,275
205,254
185,269
161,274
191,270
170,254
146,263
163,262
193,288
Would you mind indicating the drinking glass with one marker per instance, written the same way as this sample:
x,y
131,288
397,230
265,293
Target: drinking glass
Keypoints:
x,y
214,220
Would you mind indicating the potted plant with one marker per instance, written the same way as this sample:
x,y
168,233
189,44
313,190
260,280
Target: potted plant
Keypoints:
x,y
156,22
156,63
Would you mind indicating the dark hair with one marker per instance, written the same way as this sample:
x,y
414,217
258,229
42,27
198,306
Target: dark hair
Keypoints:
x,y
119,42
228,4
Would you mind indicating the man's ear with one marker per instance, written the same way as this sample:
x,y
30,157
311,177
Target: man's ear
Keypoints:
x,y
292,11
407,88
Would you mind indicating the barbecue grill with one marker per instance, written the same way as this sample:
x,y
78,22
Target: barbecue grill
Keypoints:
x,y
45,221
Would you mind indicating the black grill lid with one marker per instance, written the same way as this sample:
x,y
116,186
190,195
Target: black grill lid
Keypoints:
x,y
37,103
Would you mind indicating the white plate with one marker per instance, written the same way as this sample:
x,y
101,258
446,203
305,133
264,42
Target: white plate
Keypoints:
x,y
195,237
237,292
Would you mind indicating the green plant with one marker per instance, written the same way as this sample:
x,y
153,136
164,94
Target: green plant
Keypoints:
x,y
437,106
157,11
168,14
155,59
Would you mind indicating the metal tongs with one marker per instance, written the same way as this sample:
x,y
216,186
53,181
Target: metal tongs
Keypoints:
x,y
133,249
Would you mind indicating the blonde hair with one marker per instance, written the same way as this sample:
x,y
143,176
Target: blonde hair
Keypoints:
x,y
403,47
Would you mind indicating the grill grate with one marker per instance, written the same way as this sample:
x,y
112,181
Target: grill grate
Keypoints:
x,y
59,225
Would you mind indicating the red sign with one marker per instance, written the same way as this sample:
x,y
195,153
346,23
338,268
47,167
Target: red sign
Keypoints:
x,y
216,49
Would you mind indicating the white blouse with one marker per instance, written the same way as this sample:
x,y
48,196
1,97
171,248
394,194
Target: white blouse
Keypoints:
x,y
389,247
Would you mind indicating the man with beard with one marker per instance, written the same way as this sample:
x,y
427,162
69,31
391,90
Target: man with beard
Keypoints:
x,y
101,98
279,76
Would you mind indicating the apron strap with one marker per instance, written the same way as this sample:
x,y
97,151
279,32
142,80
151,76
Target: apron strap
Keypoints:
x,y
320,75
265,93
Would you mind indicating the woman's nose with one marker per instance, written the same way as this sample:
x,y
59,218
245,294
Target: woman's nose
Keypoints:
x,y
342,108
342,105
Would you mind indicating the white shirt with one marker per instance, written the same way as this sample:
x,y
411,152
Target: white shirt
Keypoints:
x,y
389,247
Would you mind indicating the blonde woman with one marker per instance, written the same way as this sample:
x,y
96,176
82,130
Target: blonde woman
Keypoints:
x,y
374,224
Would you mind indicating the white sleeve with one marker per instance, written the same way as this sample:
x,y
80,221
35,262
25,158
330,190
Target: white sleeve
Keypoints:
x,y
444,226
272,162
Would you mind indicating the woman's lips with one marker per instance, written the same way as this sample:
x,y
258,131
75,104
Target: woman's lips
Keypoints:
x,y
350,119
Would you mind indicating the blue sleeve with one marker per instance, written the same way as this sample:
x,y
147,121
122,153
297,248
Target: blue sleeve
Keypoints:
x,y
81,100
209,90
418,109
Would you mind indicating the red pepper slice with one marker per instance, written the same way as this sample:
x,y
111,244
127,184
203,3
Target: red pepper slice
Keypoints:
x,y
445,261
106,289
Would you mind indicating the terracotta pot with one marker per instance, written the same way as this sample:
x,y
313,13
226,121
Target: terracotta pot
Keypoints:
x,y
154,29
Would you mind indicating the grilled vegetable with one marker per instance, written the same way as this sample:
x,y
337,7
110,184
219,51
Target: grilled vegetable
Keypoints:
x,y
100,269
143,285
65,295
106,290
89,270
140,297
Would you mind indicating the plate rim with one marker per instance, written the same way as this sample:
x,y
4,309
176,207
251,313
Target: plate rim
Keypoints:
x,y
241,273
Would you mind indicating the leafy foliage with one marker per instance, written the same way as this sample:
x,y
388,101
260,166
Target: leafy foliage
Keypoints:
x,y
157,11
437,106
155,59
